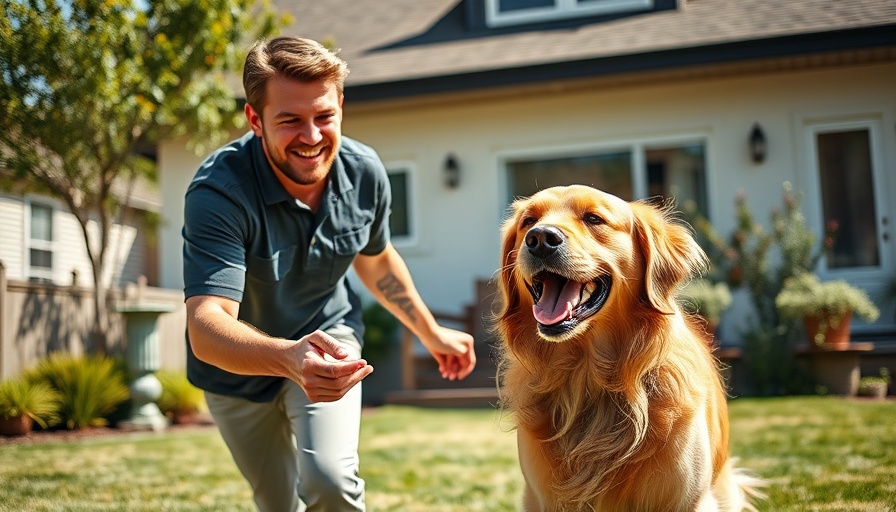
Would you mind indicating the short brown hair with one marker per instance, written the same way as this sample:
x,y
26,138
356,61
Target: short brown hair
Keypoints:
x,y
291,57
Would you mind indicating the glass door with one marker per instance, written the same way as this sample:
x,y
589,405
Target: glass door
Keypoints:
x,y
847,191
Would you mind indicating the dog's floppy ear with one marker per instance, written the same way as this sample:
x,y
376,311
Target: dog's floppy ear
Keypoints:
x,y
671,255
507,284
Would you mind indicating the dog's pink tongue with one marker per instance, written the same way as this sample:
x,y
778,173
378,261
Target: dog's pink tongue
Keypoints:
x,y
558,297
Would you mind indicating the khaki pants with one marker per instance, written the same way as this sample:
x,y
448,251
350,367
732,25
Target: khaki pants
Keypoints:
x,y
296,455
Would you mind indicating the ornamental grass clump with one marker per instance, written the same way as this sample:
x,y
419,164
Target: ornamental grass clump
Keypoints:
x,y
805,296
90,388
180,399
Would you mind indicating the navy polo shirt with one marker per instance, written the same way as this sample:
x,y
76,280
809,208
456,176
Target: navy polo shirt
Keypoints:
x,y
247,239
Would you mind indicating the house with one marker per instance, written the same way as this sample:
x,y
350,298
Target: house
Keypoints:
x,y
46,278
42,241
471,103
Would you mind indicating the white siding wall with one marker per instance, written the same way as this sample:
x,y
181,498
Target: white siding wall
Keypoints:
x,y
11,235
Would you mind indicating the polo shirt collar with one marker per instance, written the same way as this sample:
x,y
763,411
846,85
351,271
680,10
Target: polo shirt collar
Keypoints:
x,y
273,192
339,180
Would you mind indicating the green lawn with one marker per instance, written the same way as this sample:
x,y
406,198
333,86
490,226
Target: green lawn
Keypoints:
x,y
818,453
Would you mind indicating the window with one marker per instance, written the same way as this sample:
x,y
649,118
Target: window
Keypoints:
x,y
677,171
845,175
401,221
512,12
609,171
40,246
674,170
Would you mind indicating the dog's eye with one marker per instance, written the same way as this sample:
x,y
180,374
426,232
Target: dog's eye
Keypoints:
x,y
529,221
593,219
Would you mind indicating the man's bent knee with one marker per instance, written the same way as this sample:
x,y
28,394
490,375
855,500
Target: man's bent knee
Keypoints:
x,y
330,485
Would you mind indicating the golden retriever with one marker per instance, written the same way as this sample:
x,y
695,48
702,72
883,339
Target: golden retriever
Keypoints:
x,y
614,392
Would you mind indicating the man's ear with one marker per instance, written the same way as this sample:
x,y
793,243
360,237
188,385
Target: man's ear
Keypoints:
x,y
254,119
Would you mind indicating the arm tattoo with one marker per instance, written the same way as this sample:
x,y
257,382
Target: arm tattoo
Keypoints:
x,y
394,292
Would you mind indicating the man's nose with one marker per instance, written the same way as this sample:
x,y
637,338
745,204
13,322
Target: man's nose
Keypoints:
x,y
310,134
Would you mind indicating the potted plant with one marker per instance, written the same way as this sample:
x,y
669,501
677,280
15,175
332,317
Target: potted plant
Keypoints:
x,y
826,308
23,403
706,299
875,387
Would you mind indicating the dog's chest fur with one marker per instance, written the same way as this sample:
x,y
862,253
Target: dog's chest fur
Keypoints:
x,y
615,448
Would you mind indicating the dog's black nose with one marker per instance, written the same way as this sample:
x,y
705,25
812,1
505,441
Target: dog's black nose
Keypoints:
x,y
542,241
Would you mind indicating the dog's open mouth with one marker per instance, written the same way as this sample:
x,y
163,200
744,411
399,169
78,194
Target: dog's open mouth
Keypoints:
x,y
561,304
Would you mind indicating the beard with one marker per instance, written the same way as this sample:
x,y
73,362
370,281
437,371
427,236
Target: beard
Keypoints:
x,y
297,172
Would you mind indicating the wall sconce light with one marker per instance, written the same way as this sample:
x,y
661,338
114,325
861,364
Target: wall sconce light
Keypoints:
x,y
758,144
451,172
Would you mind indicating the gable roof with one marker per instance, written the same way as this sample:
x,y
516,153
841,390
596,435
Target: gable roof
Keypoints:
x,y
400,48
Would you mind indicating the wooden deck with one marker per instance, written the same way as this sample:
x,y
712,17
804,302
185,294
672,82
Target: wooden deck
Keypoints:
x,y
422,384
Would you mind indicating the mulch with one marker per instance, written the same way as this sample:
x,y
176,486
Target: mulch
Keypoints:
x,y
64,435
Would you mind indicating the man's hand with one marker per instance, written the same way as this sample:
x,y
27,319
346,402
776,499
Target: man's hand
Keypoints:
x,y
327,370
454,352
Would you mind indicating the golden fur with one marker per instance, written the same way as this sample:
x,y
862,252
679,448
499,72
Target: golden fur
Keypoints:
x,y
623,410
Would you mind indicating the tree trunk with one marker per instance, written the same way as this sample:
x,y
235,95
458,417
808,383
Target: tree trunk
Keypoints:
x,y
99,335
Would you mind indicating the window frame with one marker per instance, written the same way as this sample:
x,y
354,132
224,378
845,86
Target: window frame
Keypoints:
x,y
562,9
40,273
815,208
409,169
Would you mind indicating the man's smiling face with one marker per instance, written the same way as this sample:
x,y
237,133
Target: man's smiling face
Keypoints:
x,y
301,128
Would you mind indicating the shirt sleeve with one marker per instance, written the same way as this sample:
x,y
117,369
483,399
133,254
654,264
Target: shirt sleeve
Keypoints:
x,y
214,244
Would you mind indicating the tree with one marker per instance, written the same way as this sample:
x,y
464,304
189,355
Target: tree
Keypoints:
x,y
86,83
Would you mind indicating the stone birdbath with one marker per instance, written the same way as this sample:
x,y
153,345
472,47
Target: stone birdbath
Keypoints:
x,y
144,359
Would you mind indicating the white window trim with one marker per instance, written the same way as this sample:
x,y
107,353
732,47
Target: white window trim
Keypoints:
x,y
562,9
30,243
410,170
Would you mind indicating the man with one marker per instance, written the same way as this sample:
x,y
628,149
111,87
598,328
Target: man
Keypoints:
x,y
272,223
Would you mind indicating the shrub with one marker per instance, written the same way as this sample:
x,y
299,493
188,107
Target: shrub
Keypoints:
x,y
37,400
705,298
89,387
760,261
379,332
179,397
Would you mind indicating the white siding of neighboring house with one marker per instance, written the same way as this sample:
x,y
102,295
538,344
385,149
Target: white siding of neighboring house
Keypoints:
x,y
11,226
458,230
69,251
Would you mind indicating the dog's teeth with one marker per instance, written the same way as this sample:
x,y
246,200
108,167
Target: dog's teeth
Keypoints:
x,y
588,290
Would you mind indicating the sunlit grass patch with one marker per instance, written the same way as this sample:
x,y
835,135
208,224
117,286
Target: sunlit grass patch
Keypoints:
x,y
817,453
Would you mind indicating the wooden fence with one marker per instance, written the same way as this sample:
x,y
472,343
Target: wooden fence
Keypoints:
x,y
37,319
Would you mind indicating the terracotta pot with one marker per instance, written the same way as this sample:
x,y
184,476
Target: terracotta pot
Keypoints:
x,y
875,390
16,426
835,338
